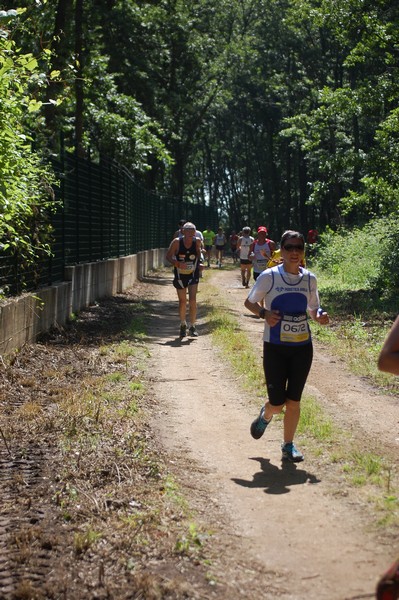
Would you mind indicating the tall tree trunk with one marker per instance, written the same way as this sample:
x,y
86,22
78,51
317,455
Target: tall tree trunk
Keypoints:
x,y
177,184
302,182
248,181
59,58
79,91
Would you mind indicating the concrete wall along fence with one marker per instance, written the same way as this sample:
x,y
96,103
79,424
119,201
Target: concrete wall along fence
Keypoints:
x,y
22,319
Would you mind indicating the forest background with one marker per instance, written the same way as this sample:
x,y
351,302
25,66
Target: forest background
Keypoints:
x,y
277,112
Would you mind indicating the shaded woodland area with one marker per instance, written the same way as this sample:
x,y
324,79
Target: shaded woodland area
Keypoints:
x,y
283,112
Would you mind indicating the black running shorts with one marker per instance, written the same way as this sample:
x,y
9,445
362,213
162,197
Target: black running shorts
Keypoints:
x,y
286,370
186,280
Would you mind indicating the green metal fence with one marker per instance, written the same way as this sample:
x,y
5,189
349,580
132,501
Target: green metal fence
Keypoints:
x,y
104,214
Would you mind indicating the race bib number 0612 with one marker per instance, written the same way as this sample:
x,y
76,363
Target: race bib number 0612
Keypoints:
x,y
294,329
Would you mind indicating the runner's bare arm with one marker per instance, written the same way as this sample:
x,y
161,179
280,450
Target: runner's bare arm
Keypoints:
x,y
171,253
271,316
251,255
388,359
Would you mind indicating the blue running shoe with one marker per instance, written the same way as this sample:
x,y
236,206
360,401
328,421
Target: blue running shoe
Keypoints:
x,y
259,425
291,453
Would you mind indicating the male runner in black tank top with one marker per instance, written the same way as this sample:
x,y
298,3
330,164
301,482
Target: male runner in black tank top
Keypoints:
x,y
185,255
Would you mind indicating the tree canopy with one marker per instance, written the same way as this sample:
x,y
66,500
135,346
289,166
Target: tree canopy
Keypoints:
x,y
278,112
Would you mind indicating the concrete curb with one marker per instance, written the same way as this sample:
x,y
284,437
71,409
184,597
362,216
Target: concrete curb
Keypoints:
x,y
22,319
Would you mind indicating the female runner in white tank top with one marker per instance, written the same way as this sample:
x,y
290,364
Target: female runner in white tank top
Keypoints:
x,y
290,294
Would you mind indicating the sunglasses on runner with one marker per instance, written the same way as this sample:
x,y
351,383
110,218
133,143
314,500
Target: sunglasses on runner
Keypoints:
x,y
291,247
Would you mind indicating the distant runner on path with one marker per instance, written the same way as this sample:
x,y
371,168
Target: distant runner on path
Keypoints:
x,y
208,236
220,243
185,255
243,246
289,292
179,232
233,240
261,251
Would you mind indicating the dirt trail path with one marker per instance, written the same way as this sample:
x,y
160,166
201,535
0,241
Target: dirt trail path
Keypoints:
x,y
294,522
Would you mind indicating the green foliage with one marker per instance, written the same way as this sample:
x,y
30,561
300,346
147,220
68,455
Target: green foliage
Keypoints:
x,y
339,257
386,280
314,421
280,113
365,258
84,540
117,125
26,195
176,65
232,341
378,194
190,542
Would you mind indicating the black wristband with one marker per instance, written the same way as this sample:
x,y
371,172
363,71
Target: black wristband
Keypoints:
x,y
262,313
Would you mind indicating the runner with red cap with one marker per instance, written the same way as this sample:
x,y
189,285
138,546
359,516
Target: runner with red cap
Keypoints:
x,y
261,251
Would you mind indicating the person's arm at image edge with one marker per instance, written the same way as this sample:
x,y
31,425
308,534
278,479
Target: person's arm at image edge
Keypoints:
x,y
388,359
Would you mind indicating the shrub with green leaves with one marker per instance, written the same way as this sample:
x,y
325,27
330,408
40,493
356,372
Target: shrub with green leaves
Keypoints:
x,y
26,194
362,258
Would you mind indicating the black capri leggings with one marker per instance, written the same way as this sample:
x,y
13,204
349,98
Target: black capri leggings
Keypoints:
x,y
286,370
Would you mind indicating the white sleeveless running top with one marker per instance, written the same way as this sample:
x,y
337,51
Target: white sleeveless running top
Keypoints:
x,y
291,295
262,256
245,244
